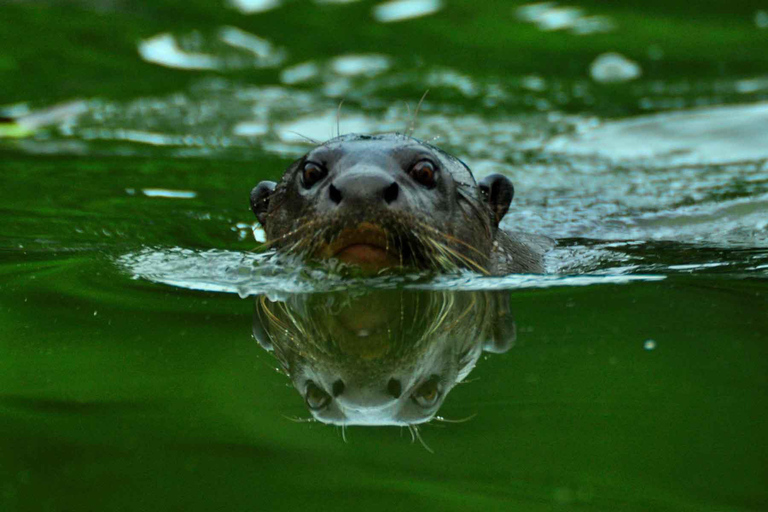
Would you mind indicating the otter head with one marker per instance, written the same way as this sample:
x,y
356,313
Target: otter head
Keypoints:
x,y
383,201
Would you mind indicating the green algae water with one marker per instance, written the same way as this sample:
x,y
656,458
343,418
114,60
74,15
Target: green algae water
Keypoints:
x,y
153,358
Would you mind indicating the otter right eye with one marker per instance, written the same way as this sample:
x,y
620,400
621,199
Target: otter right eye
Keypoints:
x,y
315,397
424,172
312,173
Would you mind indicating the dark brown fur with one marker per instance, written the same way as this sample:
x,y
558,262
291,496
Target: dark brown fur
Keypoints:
x,y
452,224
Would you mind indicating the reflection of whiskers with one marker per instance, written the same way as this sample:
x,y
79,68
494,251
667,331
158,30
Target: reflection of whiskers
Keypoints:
x,y
463,420
415,434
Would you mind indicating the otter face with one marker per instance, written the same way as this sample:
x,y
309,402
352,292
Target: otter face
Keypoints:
x,y
380,202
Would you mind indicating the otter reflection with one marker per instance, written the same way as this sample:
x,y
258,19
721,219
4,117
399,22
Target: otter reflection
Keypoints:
x,y
386,357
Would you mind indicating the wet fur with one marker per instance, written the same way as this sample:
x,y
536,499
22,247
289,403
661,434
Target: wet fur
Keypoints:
x,y
468,239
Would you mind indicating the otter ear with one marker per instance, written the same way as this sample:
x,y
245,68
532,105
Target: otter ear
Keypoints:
x,y
498,191
260,199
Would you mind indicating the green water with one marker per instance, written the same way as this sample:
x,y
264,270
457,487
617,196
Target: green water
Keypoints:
x,y
130,378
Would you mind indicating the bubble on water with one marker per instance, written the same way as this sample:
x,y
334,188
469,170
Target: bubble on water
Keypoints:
x,y
170,194
254,6
360,65
751,85
533,83
550,17
250,129
558,18
237,38
649,345
463,83
399,10
593,25
164,49
761,19
613,67
231,48
532,12
299,73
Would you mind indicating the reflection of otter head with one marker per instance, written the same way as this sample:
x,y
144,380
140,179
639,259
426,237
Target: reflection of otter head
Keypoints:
x,y
385,357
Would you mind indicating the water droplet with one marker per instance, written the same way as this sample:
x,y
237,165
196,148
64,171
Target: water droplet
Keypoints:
x,y
649,345
613,68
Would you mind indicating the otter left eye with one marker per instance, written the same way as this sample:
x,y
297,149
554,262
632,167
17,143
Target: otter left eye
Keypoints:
x,y
428,393
424,172
312,173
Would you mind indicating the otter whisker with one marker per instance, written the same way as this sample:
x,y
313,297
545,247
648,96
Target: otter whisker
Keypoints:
x,y
463,420
452,256
460,257
471,307
416,114
441,258
338,119
299,420
408,111
308,224
449,237
481,214
308,139
271,317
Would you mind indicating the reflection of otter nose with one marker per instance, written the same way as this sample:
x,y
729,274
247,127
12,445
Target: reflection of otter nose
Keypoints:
x,y
364,186
365,395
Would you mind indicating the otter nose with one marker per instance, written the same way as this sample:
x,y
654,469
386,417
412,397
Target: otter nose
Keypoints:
x,y
364,186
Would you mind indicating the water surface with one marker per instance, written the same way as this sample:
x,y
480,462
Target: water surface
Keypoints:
x,y
134,371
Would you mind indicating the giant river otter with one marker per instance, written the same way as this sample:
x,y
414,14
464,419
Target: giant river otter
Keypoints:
x,y
391,200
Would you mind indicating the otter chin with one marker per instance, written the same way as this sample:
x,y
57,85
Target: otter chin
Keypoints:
x,y
365,245
388,201
365,254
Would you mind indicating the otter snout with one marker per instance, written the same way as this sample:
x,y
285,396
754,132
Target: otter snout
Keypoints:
x,y
364,186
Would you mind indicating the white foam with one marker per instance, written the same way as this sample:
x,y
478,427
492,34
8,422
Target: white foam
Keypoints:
x,y
698,136
247,274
